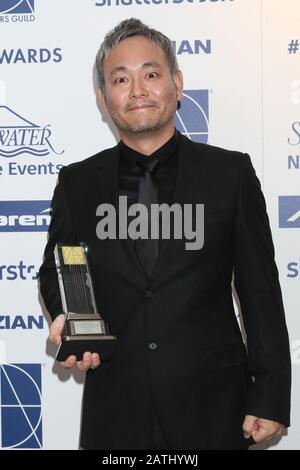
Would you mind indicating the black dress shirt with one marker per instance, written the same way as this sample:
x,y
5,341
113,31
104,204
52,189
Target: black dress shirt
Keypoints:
x,y
165,172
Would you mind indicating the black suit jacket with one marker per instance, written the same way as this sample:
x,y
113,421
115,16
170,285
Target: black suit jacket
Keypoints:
x,y
199,376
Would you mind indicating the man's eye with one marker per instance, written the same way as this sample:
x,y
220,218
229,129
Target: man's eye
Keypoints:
x,y
120,80
152,75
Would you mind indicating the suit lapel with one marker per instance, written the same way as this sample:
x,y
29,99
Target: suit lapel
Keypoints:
x,y
188,172
108,180
107,176
187,188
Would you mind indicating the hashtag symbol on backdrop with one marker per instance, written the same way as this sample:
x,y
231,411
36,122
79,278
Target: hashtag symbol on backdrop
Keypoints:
x,y
293,46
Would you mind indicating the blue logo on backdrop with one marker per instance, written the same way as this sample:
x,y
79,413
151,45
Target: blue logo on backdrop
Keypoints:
x,y
22,322
24,216
16,11
192,117
195,47
289,211
16,6
20,271
293,269
30,56
294,162
21,411
18,136
295,138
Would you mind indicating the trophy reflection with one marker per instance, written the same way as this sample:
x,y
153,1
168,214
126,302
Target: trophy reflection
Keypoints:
x,y
84,329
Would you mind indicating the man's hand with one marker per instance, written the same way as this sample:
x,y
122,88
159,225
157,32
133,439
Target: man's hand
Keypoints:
x,y
89,360
56,329
261,429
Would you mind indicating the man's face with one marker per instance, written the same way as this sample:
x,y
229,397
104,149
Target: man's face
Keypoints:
x,y
140,93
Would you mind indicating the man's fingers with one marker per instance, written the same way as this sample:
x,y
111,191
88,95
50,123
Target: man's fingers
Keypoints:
x,y
68,363
261,429
95,361
86,361
55,338
89,361
280,431
249,425
56,329
265,434
262,435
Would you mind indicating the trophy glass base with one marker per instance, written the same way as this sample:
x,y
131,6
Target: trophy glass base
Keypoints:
x,y
78,345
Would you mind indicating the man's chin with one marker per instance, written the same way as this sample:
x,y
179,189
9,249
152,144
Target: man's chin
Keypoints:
x,y
139,128
143,129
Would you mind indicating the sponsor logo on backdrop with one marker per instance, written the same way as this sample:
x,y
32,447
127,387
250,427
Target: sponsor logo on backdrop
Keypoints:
x,y
30,56
20,402
195,47
24,216
18,272
21,137
289,211
294,142
17,11
117,3
192,117
293,269
294,138
294,162
293,46
21,322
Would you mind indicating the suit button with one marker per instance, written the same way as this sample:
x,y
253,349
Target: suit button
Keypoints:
x,y
152,346
150,294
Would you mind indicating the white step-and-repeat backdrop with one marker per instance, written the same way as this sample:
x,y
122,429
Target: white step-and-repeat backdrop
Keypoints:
x,y
241,63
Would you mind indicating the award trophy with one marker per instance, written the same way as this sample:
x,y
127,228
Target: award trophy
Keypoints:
x,y
84,329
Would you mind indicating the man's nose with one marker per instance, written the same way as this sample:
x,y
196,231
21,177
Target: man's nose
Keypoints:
x,y
138,89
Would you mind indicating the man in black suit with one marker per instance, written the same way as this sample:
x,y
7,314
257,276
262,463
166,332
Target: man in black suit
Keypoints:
x,y
180,376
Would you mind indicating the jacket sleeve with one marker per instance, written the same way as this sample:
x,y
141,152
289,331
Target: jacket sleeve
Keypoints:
x,y
60,230
257,284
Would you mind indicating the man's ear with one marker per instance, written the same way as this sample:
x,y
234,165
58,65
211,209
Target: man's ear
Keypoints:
x,y
179,85
102,99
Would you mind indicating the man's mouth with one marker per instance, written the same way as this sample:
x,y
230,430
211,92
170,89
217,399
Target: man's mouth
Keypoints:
x,y
140,106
